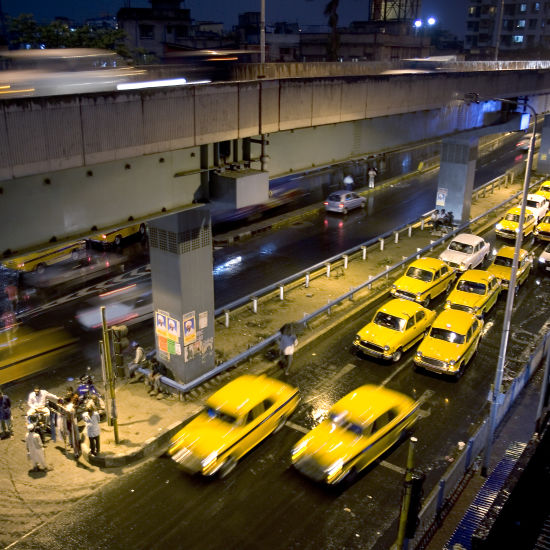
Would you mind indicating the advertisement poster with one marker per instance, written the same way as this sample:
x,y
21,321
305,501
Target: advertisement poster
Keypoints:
x,y
160,323
173,329
203,320
441,197
189,328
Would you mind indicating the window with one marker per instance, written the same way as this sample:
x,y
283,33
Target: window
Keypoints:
x,y
419,316
521,24
258,410
536,7
522,7
410,323
147,31
517,39
380,422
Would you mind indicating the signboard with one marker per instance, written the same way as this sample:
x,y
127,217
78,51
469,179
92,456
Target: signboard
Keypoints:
x,y
441,197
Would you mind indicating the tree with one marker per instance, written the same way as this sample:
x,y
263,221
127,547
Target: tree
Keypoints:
x,y
331,11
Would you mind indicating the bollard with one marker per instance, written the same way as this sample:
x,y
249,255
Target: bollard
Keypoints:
x,y
422,224
418,255
381,244
404,265
281,292
410,230
226,313
387,271
396,234
351,296
345,256
364,251
370,285
255,304
307,279
431,242
328,310
328,270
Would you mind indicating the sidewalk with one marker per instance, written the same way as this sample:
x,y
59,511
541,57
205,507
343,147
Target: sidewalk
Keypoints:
x,y
145,424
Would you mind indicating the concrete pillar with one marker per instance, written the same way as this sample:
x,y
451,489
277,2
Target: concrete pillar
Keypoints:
x,y
544,150
205,175
216,148
246,151
456,176
236,150
183,292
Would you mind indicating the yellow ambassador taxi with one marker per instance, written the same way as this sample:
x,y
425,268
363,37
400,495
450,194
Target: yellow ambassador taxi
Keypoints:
x,y
508,227
395,328
358,429
475,292
450,344
424,279
502,266
542,231
38,261
236,418
544,189
116,236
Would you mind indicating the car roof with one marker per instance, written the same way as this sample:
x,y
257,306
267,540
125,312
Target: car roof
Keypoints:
x,y
340,192
508,252
454,319
467,238
367,402
476,276
401,307
517,210
535,197
428,263
242,394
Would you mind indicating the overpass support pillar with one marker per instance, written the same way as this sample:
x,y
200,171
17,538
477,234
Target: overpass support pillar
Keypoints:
x,y
456,176
205,174
183,292
543,164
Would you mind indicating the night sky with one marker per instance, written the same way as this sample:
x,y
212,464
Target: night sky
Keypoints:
x,y
451,15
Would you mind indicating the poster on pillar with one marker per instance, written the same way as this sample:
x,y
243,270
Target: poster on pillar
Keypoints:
x,y
168,334
441,197
189,329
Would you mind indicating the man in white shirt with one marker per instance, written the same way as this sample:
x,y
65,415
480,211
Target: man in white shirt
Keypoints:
x,y
38,401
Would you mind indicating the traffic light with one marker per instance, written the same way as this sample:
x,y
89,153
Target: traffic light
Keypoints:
x,y
416,483
119,343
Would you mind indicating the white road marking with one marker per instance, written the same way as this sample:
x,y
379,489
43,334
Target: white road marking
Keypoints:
x,y
296,427
395,373
393,467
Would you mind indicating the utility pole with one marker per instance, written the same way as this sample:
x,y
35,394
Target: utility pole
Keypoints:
x,y
262,32
112,419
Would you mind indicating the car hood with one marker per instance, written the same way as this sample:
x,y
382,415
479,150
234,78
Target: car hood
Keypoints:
x,y
454,256
411,285
543,226
378,334
439,349
500,271
469,299
507,224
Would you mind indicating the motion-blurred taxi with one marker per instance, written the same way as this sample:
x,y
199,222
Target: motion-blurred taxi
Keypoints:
x,y
424,279
450,344
38,261
117,236
236,418
508,227
476,292
544,259
542,231
544,189
502,265
395,328
358,429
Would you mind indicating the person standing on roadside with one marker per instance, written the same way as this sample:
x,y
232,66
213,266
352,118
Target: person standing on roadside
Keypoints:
x,y
5,415
287,343
91,419
372,174
35,449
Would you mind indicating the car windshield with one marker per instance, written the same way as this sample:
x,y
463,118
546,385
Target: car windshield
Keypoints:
x,y
334,197
545,188
389,321
546,219
533,204
503,260
512,218
220,415
421,274
447,335
470,286
457,246
341,420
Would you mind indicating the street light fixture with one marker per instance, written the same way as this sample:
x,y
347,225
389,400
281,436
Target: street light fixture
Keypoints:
x,y
496,394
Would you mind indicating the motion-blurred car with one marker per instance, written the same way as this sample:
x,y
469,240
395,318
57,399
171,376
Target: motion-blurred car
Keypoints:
x,y
502,266
123,306
343,201
544,259
425,279
476,292
236,419
544,189
450,344
538,205
508,227
542,231
358,429
523,144
395,328
466,251
39,261
24,352
116,237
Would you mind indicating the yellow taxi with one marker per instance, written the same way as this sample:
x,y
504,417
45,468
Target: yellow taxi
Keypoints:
x,y
450,344
358,429
544,189
508,227
38,261
424,279
117,236
476,292
502,266
542,231
236,418
395,328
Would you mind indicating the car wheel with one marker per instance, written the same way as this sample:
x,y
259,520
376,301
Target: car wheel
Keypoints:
x,y
345,211
40,268
397,355
280,424
142,229
118,240
227,467
75,254
426,302
459,372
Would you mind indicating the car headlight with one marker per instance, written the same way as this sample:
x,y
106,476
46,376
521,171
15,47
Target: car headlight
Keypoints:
x,y
209,460
419,294
452,362
462,265
356,339
542,260
299,449
394,287
498,226
447,304
536,232
419,354
516,229
386,348
334,471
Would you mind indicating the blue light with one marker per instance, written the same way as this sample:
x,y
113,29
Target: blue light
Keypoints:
x,y
431,21
418,23
524,124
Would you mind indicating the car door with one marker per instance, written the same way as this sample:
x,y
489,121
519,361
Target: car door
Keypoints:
x,y
257,426
383,435
493,290
478,255
410,333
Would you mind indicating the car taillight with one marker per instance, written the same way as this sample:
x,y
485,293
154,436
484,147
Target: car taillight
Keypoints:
x,y
325,203
341,205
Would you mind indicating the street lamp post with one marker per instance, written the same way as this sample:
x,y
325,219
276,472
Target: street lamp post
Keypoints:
x,y
496,395
262,32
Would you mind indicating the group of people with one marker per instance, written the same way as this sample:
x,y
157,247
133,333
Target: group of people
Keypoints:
x,y
157,370
440,218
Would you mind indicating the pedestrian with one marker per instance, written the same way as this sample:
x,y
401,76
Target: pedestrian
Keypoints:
x,y
287,343
38,403
434,217
35,449
158,370
372,174
348,183
61,421
139,359
91,418
5,415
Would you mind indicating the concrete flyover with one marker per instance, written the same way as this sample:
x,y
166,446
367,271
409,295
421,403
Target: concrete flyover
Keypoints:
x,y
71,165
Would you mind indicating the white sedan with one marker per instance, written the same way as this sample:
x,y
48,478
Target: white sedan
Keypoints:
x,y
538,205
466,251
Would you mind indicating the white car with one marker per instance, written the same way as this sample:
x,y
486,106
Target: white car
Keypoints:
x,y
538,206
544,259
466,251
343,201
